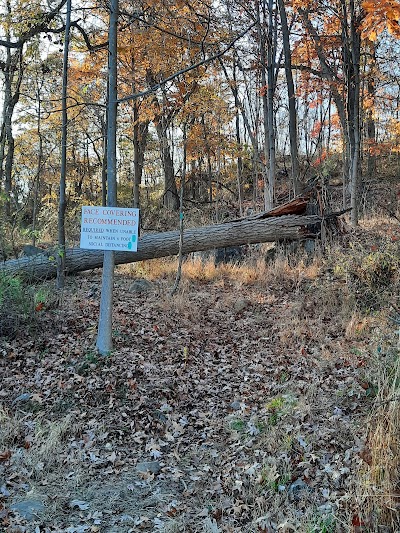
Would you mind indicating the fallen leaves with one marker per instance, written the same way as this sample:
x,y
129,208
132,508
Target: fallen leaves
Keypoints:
x,y
233,405
4,456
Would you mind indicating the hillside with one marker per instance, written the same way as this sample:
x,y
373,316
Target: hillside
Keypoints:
x,y
262,397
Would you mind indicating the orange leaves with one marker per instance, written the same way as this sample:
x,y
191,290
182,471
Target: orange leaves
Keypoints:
x,y
39,306
381,15
395,127
316,130
320,159
383,148
316,102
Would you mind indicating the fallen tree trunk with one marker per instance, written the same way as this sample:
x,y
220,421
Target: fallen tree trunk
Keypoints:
x,y
247,231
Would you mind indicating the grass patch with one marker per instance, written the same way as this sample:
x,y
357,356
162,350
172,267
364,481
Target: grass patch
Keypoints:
x,y
379,485
323,524
21,304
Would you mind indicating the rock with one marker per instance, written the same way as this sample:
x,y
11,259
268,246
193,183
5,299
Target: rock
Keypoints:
x,y
298,490
24,397
204,256
4,491
240,305
271,255
236,405
79,504
141,286
28,509
149,466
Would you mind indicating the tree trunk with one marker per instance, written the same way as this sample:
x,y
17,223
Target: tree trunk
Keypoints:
x,y
140,131
268,193
239,163
294,143
369,119
170,198
104,128
36,181
12,87
62,200
272,37
247,231
353,102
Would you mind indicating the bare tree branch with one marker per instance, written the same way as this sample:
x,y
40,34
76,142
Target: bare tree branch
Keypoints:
x,y
90,46
187,69
40,27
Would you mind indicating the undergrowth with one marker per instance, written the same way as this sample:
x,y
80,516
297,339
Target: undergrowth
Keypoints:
x,y
20,304
379,486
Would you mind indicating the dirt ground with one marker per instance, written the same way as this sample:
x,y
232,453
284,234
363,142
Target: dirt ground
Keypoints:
x,y
239,405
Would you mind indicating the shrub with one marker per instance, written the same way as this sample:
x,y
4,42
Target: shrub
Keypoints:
x,y
19,303
372,274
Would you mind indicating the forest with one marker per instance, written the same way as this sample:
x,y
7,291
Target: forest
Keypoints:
x,y
240,370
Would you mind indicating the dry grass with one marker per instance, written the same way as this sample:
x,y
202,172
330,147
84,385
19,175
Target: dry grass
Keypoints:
x,y
360,326
9,428
379,488
153,269
256,270
43,440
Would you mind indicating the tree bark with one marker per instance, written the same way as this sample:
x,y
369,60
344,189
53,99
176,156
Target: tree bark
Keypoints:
x,y
247,231
140,131
62,199
271,81
13,68
352,71
36,181
170,198
294,143
268,192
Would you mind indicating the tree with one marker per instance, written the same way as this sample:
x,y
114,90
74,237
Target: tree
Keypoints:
x,y
62,202
344,73
293,137
17,34
253,230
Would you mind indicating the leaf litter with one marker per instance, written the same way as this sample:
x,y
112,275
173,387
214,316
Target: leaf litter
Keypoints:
x,y
207,416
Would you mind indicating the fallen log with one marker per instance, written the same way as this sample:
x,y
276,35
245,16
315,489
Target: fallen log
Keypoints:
x,y
247,231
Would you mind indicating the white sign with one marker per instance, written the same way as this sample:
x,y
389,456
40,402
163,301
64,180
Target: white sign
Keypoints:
x,y
109,228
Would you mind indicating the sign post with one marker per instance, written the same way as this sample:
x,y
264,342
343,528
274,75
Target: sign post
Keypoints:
x,y
104,331
109,229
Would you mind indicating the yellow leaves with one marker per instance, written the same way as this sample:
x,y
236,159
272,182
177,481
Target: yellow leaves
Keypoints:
x,y
394,128
368,102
